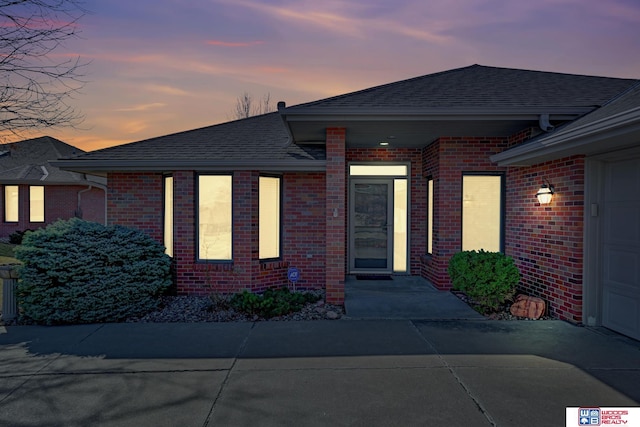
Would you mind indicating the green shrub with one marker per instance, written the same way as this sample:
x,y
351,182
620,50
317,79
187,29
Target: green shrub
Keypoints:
x,y
488,278
271,303
82,272
16,237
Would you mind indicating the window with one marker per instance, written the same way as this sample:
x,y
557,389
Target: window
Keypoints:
x,y
482,212
36,203
168,215
430,216
214,217
269,217
400,202
11,203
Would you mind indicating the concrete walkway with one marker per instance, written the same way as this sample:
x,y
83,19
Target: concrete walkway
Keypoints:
x,y
402,297
316,373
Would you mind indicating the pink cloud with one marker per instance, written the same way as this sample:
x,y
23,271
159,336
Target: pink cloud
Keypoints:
x,y
234,44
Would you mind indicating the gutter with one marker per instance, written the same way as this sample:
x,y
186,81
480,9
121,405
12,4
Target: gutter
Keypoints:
x,y
580,139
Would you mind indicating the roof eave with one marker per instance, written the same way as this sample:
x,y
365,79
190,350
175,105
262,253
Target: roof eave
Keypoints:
x,y
376,114
617,132
101,167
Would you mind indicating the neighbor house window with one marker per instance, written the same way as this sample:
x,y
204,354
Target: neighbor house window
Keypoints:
x,y
214,217
482,212
269,217
11,203
168,215
36,203
430,216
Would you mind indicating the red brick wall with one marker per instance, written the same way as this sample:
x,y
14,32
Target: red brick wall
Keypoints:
x,y
546,241
61,202
417,200
445,161
304,225
136,200
303,216
336,215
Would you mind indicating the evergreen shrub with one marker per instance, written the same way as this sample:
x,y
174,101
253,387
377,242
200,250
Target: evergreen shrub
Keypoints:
x,y
488,278
76,271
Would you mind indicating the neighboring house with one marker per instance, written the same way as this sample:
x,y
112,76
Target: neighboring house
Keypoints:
x,y
36,193
396,179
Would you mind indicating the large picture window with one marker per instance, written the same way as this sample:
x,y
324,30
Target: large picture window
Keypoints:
x,y
11,203
214,217
269,217
482,212
36,203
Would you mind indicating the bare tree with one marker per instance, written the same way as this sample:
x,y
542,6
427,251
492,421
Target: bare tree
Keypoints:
x,y
245,106
35,84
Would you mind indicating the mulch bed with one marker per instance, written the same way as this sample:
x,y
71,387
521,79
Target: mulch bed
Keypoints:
x,y
502,313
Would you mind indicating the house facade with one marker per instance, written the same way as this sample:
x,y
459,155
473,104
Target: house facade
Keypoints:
x,y
35,193
395,179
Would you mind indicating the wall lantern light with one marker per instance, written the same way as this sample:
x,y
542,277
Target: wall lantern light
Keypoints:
x,y
545,194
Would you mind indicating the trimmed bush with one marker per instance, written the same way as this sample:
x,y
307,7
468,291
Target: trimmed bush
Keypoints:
x,y
83,272
488,278
271,303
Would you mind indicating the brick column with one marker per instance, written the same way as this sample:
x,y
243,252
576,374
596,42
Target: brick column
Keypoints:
x,y
184,229
336,216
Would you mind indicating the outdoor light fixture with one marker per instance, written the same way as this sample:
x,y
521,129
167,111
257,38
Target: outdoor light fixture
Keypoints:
x,y
384,143
545,194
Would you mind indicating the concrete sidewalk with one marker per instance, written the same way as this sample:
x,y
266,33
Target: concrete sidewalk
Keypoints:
x,y
317,373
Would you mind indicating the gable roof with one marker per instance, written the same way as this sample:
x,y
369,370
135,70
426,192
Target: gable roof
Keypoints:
x,y
614,126
258,142
30,161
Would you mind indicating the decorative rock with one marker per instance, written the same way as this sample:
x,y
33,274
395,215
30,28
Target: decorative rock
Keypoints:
x,y
332,315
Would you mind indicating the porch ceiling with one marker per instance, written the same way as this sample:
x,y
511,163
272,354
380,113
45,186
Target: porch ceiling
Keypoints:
x,y
410,132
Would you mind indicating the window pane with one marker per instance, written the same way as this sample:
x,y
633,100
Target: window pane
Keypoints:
x,y
430,216
36,203
378,170
400,225
168,215
11,203
214,217
269,217
481,212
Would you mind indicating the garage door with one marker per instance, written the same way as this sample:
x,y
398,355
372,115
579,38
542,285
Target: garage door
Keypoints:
x,y
621,247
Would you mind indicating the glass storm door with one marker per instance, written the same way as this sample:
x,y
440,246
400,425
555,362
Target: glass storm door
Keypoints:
x,y
371,225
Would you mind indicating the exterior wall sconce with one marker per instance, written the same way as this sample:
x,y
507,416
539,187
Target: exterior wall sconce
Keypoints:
x,y
545,194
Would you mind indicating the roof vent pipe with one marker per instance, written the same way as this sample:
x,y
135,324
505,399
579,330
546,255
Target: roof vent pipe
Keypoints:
x,y
544,123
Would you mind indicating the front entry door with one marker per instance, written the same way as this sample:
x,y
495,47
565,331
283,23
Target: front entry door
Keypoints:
x,y
371,226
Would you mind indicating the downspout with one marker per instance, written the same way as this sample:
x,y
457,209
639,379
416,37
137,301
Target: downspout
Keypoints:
x,y
282,106
78,212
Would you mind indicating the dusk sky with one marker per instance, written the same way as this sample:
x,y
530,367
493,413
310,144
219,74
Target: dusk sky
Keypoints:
x,y
165,66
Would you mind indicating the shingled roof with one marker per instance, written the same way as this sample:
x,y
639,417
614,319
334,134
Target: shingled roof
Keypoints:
x,y
29,161
475,100
476,87
614,126
260,142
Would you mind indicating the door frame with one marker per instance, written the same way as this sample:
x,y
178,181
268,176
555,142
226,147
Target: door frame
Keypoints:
x,y
390,185
373,177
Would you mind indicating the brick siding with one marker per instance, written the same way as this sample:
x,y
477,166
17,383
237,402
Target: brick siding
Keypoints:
x,y
61,202
445,161
546,241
